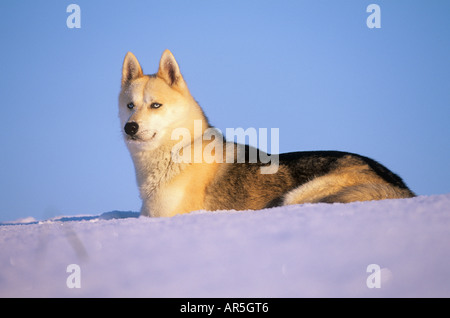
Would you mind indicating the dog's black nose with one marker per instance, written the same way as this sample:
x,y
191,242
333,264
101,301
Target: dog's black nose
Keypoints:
x,y
131,128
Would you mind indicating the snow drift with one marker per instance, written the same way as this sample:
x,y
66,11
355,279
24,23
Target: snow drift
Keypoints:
x,y
310,250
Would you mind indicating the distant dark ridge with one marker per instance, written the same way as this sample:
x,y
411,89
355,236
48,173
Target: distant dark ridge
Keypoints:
x,y
104,216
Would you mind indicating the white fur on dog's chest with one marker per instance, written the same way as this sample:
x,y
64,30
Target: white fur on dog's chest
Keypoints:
x,y
153,173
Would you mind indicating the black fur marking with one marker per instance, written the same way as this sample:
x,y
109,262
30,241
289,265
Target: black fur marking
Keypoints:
x,y
384,173
275,202
171,72
132,72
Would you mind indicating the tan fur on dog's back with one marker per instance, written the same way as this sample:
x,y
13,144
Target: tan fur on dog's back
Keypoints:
x,y
155,106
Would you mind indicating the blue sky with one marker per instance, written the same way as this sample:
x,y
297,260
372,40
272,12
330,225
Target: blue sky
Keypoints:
x,y
313,69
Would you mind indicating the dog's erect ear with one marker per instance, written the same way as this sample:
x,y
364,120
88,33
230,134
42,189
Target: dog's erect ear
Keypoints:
x,y
131,68
169,70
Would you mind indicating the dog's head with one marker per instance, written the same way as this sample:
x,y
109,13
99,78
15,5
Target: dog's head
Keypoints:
x,y
152,106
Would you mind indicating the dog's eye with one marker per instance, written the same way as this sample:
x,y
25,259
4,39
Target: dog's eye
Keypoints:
x,y
155,105
130,105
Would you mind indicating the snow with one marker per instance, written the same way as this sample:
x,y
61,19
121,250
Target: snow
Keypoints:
x,y
311,250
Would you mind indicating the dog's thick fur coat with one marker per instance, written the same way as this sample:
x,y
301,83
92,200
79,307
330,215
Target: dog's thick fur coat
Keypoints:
x,y
152,106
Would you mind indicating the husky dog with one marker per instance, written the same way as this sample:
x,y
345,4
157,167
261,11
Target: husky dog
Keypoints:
x,y
153,107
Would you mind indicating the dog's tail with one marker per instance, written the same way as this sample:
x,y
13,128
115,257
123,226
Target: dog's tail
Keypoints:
x,y
368,192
